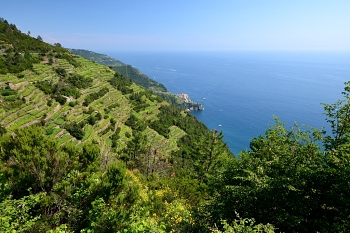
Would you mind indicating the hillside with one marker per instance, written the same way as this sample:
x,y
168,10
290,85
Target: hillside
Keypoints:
x,y
79,106
139,78
84,149
59,88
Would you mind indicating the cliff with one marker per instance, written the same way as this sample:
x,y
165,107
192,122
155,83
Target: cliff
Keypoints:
x,y
191,105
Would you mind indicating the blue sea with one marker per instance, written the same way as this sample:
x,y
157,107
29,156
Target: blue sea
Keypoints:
x,y
242,91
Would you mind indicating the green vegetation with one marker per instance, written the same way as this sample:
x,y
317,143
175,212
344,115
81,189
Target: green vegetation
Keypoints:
x,y
114,157
137,77
19,51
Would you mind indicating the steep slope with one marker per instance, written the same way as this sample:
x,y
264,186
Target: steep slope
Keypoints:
x,y
139,78
127,70
67,93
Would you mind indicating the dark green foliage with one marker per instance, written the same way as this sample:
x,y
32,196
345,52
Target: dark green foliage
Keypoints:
x,y
61,72
98,116
139,78
45,86
70,91
67,86
75,130
60,99
116,176
171,115
79,81
112,121
115,137
18,47
73,103
93,119
7,92
285,180
139,100
50,61
94,96
46,181
135,151
67,57
132,121
37,162
10,99
121,83
338,115
16,62
58,91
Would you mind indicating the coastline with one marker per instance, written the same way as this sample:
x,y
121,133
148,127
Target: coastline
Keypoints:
x,y
191,105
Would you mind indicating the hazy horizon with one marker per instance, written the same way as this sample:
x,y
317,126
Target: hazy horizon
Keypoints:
x,y
186,25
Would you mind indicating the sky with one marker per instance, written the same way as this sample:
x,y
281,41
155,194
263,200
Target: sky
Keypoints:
x,y
185,25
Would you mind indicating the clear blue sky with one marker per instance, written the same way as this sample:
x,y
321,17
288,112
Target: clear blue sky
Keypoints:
x,y
112,25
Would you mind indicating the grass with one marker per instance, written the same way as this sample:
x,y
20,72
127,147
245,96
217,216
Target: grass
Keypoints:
x,y
64,139
88,130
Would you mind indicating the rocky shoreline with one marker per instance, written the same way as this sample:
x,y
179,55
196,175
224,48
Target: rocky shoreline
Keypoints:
x,y
191,105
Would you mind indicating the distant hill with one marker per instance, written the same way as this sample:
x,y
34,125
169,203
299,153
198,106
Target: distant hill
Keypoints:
x,y
97,57
139,78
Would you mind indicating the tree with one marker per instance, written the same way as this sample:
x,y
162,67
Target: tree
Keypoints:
x,y
33,161
288,181
280,181
75,130
39,38
57,45
211,151
338,115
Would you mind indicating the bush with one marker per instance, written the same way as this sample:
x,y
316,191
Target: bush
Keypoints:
x,y
75,130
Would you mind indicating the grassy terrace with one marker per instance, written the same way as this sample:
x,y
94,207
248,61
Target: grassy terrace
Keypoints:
x,y
112,106
27,90
8,77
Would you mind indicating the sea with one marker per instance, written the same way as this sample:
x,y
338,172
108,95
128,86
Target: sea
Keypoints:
x,y
242,91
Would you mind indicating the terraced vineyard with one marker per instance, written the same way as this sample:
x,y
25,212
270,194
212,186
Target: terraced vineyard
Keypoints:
x,y
114,108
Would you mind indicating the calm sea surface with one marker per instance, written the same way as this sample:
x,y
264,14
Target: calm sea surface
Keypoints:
x,y
242,91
